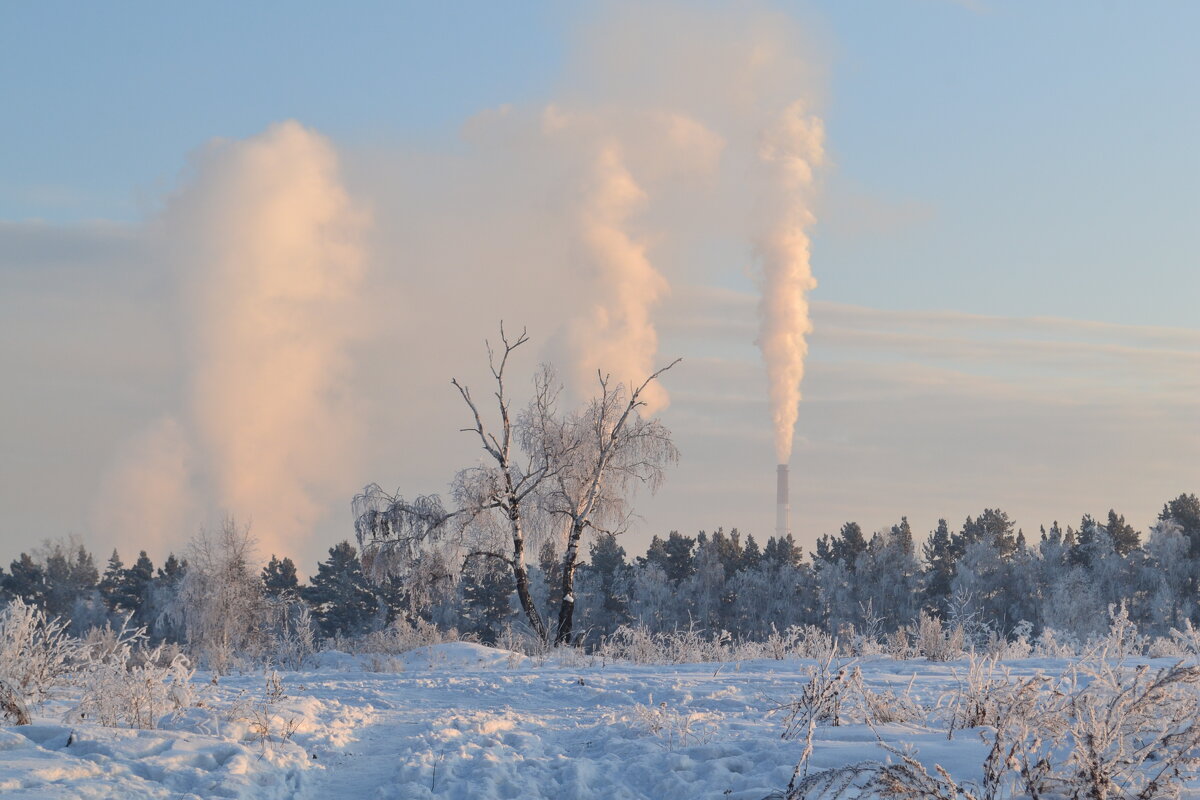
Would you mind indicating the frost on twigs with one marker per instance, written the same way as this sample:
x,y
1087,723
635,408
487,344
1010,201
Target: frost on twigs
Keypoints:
x,y
12,706
873,779
36,655
675,727
126,684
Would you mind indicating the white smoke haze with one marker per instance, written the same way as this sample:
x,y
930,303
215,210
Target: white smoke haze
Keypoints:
x,y
147,496
272,293
265,245
792,149
574,217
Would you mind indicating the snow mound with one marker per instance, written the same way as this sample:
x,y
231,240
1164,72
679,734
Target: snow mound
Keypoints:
x,y
461,655
88,761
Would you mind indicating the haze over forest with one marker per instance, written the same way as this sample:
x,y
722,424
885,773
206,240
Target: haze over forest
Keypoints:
x,y
238,268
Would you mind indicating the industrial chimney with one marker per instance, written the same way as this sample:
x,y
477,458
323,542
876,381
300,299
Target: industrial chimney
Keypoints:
x,y
783,510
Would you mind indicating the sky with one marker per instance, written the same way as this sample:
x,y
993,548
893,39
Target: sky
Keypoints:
x,y
243,249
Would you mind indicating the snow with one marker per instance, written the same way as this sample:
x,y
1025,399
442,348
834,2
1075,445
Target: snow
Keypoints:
x,y
460,720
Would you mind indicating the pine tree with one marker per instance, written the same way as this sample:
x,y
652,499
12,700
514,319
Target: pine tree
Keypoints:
x,y
751,554
680,560
487,584
1184,511
845,548
112,587
783,552
1124,538
171,569
70,578
60,594
340,597
26,581
940,559
992,526
728,548
279,577
607,559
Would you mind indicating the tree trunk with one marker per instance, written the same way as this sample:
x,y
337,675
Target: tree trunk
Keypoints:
x,y
521,577
566,610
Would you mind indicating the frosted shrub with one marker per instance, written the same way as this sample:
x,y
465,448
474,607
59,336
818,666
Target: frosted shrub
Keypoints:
x,y
1019,646
1132,733
1122,638
397,638
674,727
887,707
934,642
1054,644
1187,640
821,701
1101,730
220,603
36,654
980,695
134,692
1163,647
293,635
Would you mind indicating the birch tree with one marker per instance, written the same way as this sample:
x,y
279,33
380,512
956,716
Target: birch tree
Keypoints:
x,y
601,455
494,498
545,473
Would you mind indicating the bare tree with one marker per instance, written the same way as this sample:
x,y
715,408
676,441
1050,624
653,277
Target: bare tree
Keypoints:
x,y
574,472
492,499
220,603
601,455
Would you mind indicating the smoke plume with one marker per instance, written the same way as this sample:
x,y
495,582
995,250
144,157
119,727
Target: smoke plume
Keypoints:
x,y
270,284
146,495
790,150
616,334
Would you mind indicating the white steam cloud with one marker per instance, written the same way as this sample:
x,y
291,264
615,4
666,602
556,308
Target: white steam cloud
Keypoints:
x,y
615,334
272,296
265,242
791,149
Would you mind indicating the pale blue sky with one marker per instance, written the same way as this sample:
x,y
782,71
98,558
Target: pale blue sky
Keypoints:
x,y
1003,159
1046,152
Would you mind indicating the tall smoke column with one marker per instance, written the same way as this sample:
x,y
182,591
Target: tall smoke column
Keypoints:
x,y
783,508
275,262
791,148
616,334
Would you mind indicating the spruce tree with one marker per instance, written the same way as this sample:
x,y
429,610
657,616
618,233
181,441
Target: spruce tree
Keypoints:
x,y
279,577
137,581
111,583
26,581
1124,538
341,599
608,564
940,559
751,554
487,585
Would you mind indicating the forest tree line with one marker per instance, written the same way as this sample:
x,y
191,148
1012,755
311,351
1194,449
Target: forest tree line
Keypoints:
x,y
985,574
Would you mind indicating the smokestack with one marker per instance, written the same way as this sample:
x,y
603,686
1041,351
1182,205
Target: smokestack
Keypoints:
x,y
783,509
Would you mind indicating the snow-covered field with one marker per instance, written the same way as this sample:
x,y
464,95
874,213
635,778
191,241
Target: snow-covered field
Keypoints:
x,y
460,720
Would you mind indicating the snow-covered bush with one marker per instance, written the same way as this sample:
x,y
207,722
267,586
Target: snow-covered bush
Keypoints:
x,y
220,603
936,643
36,654
675,727
981,695
293,633
132,689
1099,730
